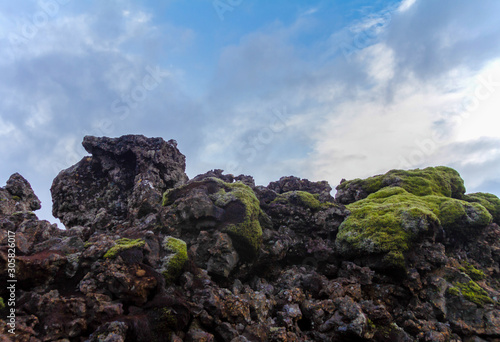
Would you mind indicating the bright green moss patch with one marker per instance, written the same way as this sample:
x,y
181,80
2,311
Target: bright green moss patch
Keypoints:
x,y
123,244
16,198
472,272
385,224
2,304
303,198
439,181
389,220
489,201
173,263
472,292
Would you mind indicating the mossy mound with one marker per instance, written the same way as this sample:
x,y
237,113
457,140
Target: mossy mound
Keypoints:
x,y
173,263
385,223
123,244
489,201
302,198
439,181
240,206
247,233
388,221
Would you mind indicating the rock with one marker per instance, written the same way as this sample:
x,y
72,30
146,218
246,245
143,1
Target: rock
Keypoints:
x,y
110,332
439,181
151,256
175,260
124,177
388,223
291,183
211,202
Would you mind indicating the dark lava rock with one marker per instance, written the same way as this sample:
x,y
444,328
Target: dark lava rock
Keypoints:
x,y
149,255
125,177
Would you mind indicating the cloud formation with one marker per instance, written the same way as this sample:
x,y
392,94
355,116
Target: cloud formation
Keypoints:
x,y
267,91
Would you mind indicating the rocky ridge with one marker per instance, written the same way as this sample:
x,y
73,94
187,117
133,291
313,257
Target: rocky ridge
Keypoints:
x,y
149,255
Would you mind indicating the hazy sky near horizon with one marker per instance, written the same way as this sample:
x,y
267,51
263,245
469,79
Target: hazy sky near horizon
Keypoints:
x,y
322,90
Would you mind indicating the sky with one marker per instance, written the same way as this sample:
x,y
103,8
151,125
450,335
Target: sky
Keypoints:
x,y
318,89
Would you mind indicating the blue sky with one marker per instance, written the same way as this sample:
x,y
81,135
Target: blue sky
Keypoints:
x,y
322,90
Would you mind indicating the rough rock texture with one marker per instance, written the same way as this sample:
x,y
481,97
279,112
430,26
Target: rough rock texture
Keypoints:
x,y
150,256
123,179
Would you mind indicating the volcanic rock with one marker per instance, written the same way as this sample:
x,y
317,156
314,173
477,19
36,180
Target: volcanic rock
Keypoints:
x,y
148,255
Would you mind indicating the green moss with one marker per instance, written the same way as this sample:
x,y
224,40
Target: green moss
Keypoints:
x,y
455,291
302,198
87,244
165,199
489,201
16,198
2,304
472,272
389,220
385,224
439,181
473,293
123,244
246,235
173,264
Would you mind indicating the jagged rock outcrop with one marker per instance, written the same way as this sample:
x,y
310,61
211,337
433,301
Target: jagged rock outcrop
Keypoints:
x,y
148,255
123,179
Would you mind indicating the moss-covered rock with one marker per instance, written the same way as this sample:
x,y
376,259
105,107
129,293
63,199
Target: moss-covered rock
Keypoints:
x,y
489,201
246,233
385,223
123,244
472,292
439,181
231,207
472,272
460,218
174,262
388,221
302,198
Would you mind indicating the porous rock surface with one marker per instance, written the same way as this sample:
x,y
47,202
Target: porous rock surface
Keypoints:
x,y
148,255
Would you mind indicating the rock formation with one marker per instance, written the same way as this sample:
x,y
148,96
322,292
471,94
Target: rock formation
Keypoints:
x,y
149,255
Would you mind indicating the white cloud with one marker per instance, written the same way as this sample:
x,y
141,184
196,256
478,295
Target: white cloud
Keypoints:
x,y
482,118
378,61
406,5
